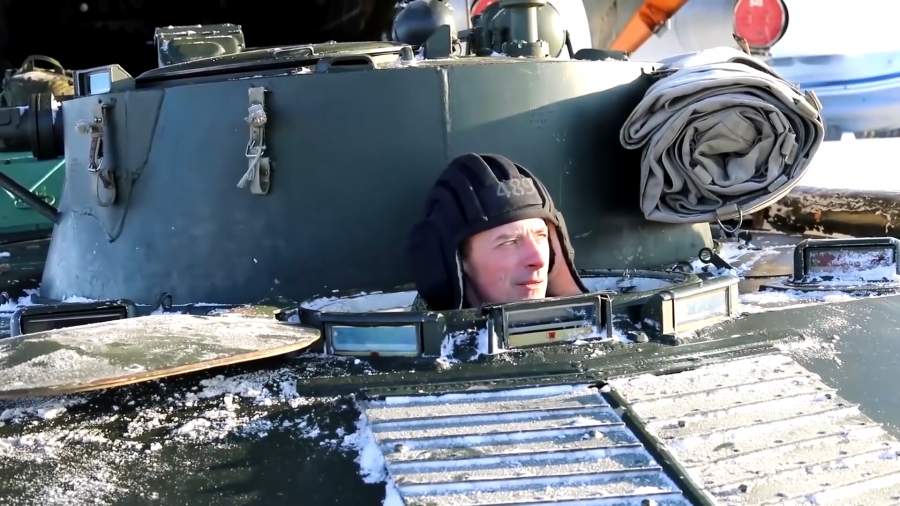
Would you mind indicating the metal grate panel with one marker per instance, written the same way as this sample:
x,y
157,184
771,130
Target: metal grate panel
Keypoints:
x,y
562,445
765,430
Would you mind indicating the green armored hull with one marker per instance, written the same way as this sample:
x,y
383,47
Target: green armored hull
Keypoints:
x,y
321,226
293,172
43,177
738,414
24,233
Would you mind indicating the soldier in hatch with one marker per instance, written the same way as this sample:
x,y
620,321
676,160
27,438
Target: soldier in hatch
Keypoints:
x,y
491,234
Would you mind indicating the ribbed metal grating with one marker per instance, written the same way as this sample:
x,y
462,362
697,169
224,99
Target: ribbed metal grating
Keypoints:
x,y
562,445
765,430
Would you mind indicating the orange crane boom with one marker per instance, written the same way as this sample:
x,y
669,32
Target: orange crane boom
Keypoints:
x,y
650,16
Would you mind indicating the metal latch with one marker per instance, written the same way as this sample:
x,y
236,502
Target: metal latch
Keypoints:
x,y
258,173
100,162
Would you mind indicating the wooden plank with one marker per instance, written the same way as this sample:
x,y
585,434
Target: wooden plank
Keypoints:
x,y
134,350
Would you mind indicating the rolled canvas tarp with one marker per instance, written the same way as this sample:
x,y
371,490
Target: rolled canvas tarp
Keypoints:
x,y
723,136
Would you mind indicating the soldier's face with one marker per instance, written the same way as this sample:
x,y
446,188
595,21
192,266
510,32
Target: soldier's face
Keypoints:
x,y
508,263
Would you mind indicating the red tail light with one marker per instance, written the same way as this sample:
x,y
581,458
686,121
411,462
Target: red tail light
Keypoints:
x,y
480,5
760,22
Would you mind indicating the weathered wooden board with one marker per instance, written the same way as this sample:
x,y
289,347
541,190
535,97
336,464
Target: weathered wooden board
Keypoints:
x,y
122,352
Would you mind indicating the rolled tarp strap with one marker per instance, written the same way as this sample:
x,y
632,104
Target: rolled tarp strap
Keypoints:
x,y
720,130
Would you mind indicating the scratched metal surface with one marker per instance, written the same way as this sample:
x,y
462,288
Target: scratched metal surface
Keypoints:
x,y
563,444
766,430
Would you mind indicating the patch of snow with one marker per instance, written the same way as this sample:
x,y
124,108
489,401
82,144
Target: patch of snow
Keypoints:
x,y
22,301
464,346
4,254
262,389
770,300
193,427
851,277
94,457
372,466
51,413
308,431
370,459
892,454
837,266
220,385
68,366
483,344
231,405
812,348
624,284
392,494
364,302
547,391
77,298
46,409
444,363
452,345
145,421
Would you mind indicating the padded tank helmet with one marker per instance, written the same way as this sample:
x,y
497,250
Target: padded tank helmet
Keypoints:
x,y
476,193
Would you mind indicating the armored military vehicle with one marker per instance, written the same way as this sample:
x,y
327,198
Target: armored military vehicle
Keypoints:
x,y
257,202
36,177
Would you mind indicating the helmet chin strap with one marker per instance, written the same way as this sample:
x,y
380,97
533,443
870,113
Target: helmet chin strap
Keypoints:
x,y
560,280
468,293
471,297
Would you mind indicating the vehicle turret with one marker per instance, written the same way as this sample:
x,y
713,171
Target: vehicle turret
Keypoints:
x,y
297,170
227,313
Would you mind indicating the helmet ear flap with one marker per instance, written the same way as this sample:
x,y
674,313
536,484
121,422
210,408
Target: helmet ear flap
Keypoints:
x,y
552,260
434,266
564,279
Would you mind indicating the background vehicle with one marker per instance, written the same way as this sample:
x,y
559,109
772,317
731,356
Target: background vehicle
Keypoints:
x,y
847,56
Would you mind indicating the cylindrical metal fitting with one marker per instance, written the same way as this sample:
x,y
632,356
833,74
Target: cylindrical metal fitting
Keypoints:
x,y
33,125
523,19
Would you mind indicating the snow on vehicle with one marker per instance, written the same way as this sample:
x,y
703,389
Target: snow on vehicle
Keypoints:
x,y
230,178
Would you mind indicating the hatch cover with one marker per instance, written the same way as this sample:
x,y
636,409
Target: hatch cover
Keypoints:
x,y
765,430
557,444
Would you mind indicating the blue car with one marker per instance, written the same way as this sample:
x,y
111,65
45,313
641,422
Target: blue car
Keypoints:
x,y
860,93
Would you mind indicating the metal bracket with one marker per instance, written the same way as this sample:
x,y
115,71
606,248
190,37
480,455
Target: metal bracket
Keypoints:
x,y
708,256
259,173
100,162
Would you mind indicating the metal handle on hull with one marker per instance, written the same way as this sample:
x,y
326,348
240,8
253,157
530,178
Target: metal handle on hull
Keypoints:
x,y
100,162
258,174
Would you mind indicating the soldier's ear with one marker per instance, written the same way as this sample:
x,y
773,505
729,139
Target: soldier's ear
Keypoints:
x,y
561,278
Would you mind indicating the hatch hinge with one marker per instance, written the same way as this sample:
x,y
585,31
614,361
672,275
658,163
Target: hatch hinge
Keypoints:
x,y
258,175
